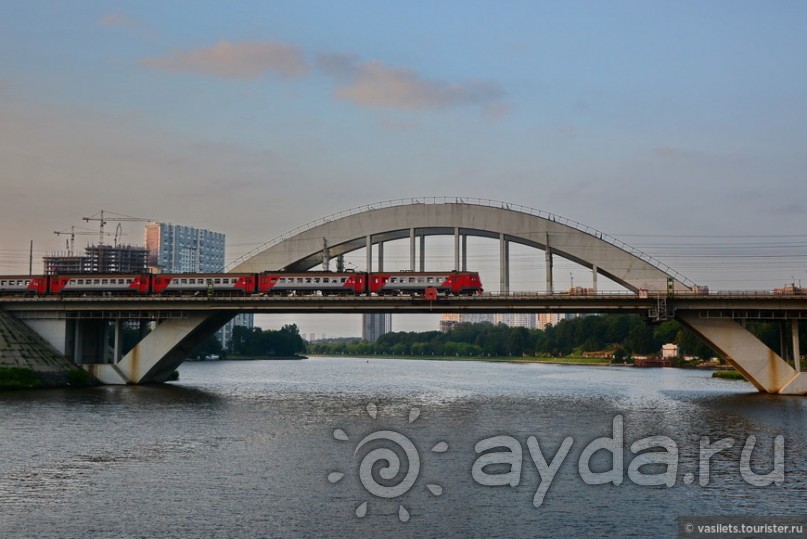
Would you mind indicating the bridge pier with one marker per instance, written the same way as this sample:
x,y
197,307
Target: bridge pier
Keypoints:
x,y
159,353
758,364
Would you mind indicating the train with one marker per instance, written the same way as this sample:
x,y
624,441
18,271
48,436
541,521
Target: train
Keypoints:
x,y
326,283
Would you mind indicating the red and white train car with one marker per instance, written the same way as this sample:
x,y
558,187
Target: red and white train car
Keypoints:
x,y
98,284
23,284
312,282
456,283
203,283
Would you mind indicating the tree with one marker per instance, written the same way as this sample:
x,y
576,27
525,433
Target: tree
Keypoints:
x,y
210,346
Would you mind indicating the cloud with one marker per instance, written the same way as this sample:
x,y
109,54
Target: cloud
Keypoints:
x,y
375,85
118,19
242,60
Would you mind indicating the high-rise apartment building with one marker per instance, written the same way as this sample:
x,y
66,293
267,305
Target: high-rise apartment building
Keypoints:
x,y
516,320
184,249
375,325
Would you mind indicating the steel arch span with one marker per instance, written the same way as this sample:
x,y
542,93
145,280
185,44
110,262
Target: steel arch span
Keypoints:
x,y
303,248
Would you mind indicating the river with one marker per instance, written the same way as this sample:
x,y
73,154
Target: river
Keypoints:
x,y
279,449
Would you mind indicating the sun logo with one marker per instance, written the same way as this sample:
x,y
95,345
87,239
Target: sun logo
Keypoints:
x,y
395,482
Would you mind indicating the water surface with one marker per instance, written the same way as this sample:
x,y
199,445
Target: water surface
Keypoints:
x,y
245,449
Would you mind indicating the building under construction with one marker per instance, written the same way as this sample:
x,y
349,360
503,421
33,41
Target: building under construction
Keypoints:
x,y
99,259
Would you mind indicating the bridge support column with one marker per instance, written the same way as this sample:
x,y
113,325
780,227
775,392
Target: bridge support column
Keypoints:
x,y
548,261
381,256
160,352
423,253
504,265
594,278
758,364
796,346
783,352
456,249
369,259
412,249
465,252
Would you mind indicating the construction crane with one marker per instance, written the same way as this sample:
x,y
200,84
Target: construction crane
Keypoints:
x,y
104,217
71,243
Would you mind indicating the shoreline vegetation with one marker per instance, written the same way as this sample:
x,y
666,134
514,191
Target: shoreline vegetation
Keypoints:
x,y
258,357
570,360
13,378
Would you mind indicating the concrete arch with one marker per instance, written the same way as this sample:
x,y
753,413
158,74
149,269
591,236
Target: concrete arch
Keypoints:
x,y
303,248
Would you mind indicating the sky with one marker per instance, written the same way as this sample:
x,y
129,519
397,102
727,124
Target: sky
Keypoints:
x,y
677,127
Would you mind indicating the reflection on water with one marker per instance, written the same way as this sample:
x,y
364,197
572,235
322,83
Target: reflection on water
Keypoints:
x,y
244,449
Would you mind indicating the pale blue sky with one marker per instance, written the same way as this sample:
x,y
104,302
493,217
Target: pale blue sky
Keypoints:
x,y
251,118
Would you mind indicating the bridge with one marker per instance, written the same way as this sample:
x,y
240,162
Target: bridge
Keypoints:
x,y
82,327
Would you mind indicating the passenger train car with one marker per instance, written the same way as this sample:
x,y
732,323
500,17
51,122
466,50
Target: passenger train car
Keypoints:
x,y
325,283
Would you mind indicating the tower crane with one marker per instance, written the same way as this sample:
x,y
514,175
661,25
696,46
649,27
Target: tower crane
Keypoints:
x,y
104,217
71,244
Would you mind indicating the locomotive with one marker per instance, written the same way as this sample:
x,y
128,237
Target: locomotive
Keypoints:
x,y
325,283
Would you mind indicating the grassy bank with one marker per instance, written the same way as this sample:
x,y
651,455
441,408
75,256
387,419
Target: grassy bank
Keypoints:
x,y
19,378
12,378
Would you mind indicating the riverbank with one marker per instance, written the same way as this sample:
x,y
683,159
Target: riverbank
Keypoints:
x,y
27,361
13,378
729,375
264,358
550,361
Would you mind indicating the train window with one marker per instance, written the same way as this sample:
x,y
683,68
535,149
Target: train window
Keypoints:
x,y
282,279
183,281
217,281
429,279
343,280
308,279
326,280
411,279
104,281
316,279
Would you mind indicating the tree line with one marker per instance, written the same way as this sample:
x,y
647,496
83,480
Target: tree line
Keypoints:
x,y
255,342
619,335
